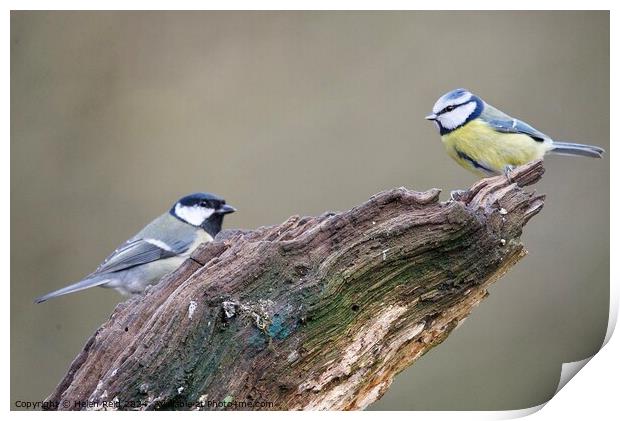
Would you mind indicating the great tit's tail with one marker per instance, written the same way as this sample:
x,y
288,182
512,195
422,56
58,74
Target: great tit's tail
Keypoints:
x,y
567,148
78,286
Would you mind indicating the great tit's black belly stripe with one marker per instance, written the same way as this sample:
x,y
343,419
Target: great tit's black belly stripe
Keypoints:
x,y
473,162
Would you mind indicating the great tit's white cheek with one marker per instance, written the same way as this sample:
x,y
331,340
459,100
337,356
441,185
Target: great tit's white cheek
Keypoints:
x,y
194,215
458,116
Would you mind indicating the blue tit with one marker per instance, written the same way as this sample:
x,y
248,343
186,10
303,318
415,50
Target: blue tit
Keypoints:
x,y
486,141
158,249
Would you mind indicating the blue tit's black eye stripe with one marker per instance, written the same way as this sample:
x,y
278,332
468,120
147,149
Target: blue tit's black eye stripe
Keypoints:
x,y
473,115
451,108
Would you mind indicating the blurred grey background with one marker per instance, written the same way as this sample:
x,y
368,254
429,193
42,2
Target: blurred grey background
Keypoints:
x,y
114,115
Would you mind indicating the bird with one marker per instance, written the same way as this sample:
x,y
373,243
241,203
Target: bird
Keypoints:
x,y
158,249
487,142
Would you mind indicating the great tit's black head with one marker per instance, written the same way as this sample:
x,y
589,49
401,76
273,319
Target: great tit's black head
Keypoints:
x,y
455,108
204,210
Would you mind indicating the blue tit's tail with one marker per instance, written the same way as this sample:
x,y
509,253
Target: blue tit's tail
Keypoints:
x,y
78,286
576,149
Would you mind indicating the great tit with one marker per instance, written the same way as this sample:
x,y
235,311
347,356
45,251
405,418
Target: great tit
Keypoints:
x,y
158,249
486,141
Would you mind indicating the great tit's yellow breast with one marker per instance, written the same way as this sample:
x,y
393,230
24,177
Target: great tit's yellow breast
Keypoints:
x,y
478,147
201,237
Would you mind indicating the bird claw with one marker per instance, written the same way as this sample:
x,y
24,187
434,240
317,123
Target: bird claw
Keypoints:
x,y
507,171
457,195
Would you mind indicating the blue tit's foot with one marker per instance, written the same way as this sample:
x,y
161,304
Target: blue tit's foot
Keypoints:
x,y
457,195
507,171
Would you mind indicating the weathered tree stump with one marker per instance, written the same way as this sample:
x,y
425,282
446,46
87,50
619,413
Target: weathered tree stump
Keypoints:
x,y
315,313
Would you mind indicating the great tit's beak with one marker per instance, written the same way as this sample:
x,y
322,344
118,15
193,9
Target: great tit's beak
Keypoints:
x,y
431,117
226,209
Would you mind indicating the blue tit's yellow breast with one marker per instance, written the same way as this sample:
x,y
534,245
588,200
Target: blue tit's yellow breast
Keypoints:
x,y
477,147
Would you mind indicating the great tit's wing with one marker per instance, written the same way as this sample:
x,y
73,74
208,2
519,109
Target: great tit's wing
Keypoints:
x,y
502,122
134,252
140,251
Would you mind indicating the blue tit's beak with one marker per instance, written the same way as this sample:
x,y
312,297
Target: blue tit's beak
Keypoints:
x,y
226,209
431,117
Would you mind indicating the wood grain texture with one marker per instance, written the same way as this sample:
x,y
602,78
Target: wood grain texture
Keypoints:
x,y
314,313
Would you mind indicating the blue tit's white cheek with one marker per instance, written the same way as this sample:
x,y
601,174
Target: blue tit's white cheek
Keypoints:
x,y
437,125
457,117
194,215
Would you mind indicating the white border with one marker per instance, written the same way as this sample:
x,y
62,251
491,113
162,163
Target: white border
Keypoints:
x,y
306,5
592,394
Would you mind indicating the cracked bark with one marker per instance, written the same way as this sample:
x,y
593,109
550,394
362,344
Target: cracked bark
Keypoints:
x,y
314,313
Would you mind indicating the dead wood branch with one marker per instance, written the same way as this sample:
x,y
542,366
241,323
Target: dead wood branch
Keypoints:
x,y
315,313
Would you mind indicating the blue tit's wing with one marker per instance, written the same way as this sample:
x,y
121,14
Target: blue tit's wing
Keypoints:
x,y
140,251
502,122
